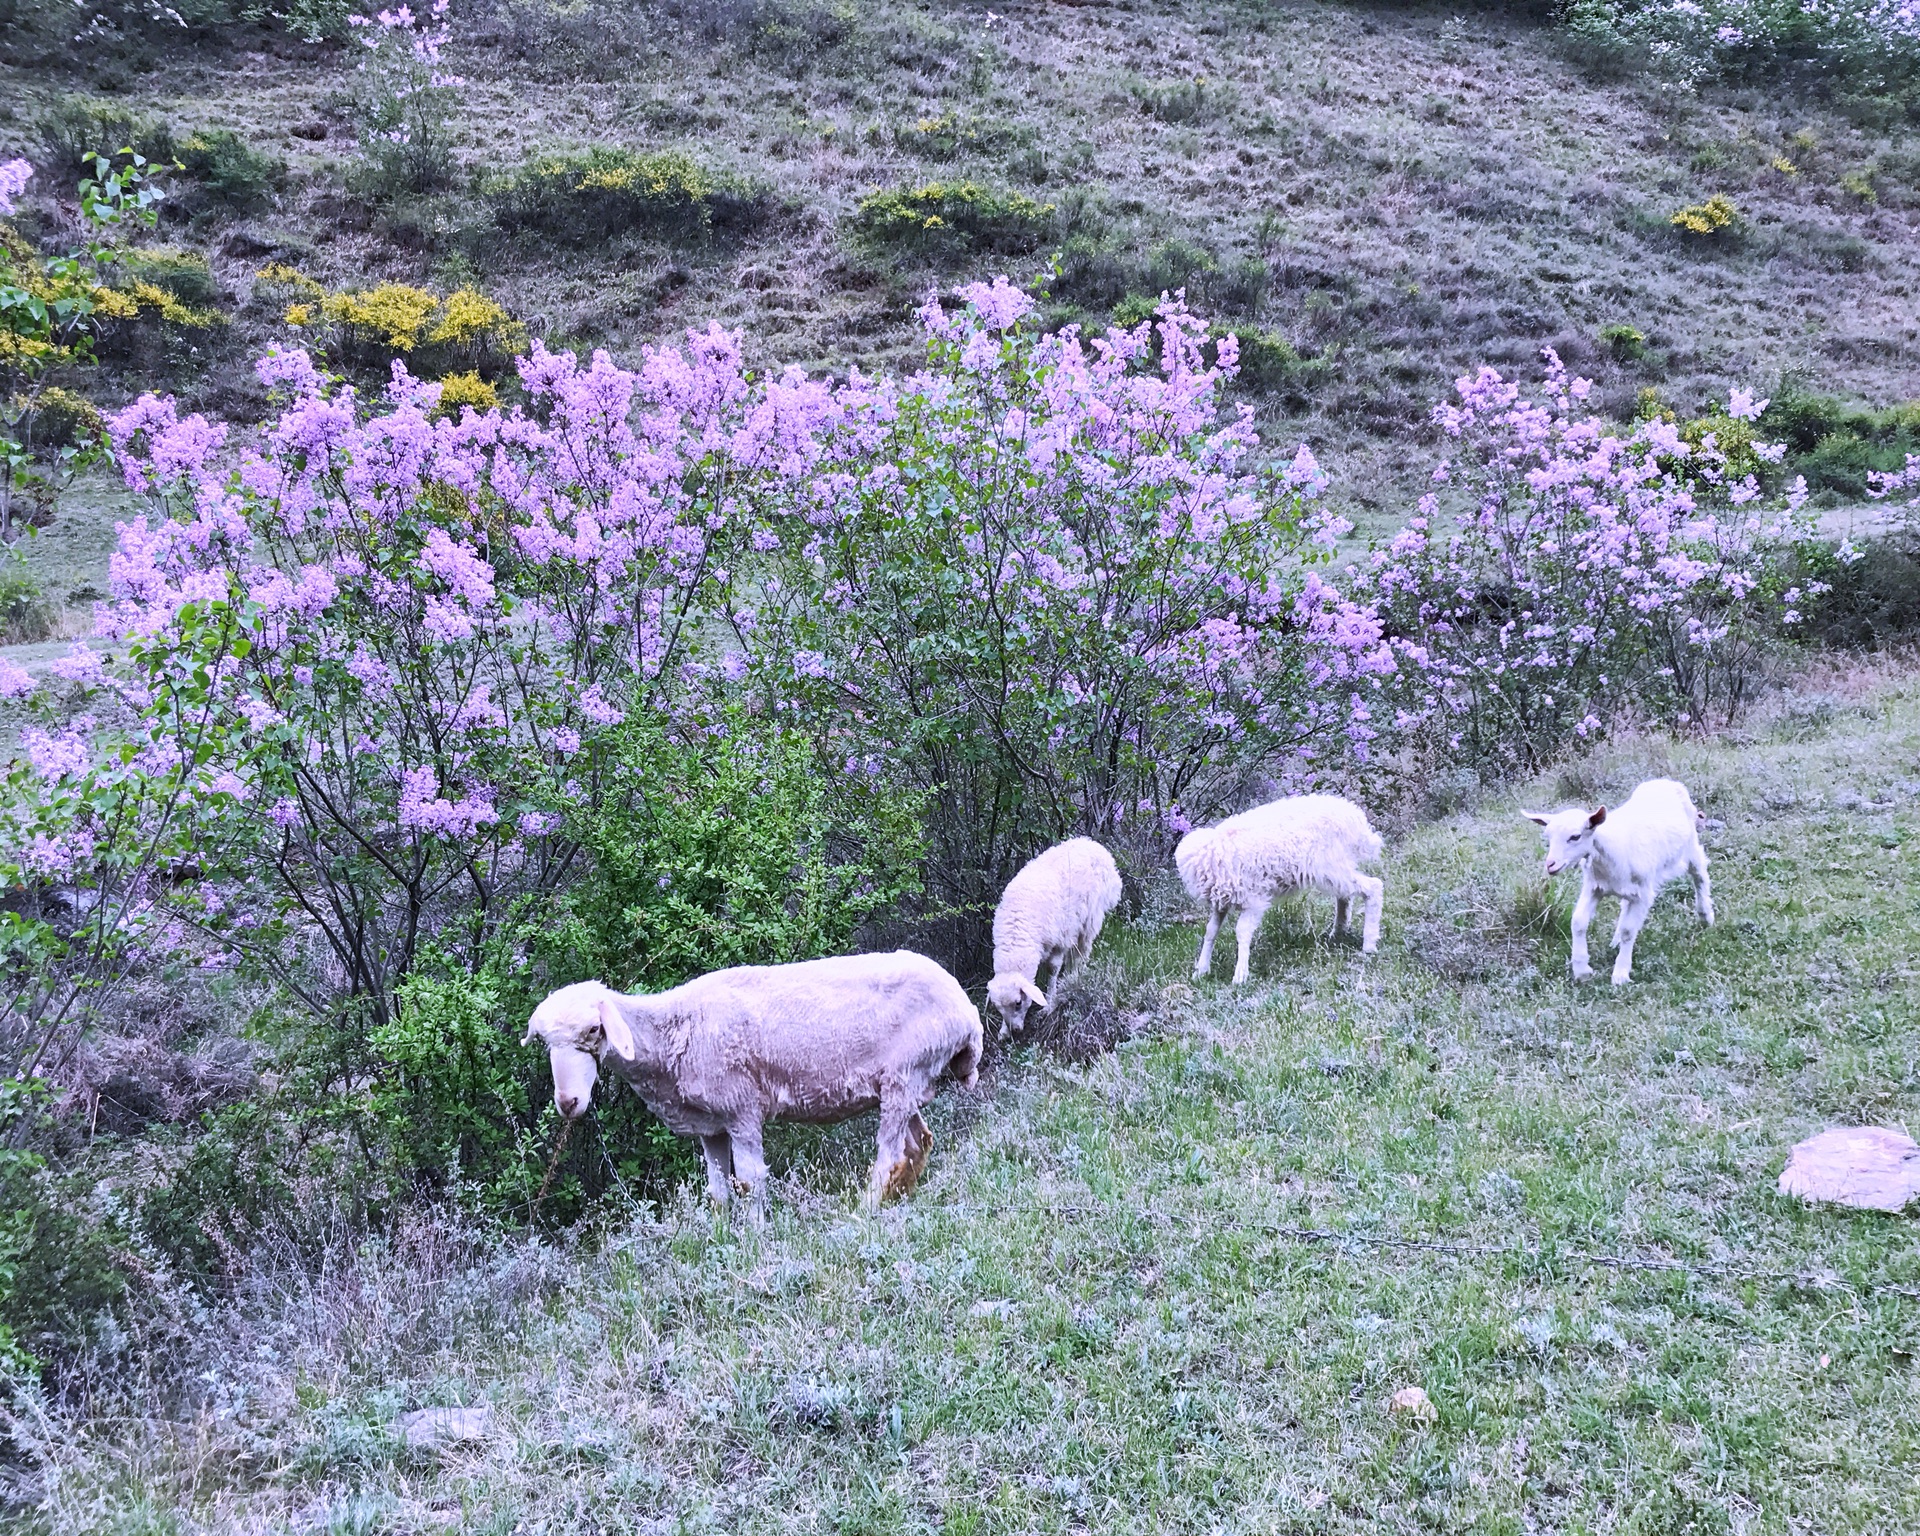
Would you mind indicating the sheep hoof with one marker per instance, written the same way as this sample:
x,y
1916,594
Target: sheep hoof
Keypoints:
x,y
1582,972
901,1178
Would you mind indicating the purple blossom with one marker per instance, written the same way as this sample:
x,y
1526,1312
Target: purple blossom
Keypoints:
x,y
14,176
15,681
57,755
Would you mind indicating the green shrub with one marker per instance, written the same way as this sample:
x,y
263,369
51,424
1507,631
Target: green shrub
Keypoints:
x,y
1716,217
79,127
1627,343
26,615
229,173
954,219
953,134
1183,101
183,274
1270,365
603,192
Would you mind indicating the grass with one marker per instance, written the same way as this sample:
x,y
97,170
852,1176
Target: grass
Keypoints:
x,y
1172,1287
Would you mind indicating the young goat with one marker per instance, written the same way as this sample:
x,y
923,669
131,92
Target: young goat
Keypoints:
x,y
1629,852
1316,841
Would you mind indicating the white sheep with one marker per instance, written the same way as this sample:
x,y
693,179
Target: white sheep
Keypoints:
x,y
1308,841
819,1041
1629,852
1049,914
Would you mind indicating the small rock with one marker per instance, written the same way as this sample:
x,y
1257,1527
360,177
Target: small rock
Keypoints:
x,y
427,1429
1414,1402
1867,1167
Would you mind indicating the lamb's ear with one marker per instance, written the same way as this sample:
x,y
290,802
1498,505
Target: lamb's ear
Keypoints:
x,y
1033,994
530,1036
613,1024
1538,818
1597,817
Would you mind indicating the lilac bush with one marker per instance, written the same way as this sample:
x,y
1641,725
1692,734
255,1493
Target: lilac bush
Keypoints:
x,y
1040,582
1592,573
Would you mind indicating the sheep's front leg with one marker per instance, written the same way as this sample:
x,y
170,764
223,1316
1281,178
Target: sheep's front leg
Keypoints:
x,y
1205,962
718,1152
1375,892
1244,930
1340,906
1582,920
750,1168
1702,886
1633,916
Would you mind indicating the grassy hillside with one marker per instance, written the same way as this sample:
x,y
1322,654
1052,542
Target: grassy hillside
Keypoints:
x,y
1397,193
1171,1286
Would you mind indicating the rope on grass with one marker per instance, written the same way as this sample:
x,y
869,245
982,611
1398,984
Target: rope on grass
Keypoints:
x,y
553,1163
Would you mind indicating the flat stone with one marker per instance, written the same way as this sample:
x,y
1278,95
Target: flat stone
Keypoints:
x,y
1414,1402
427,1429
1867,1167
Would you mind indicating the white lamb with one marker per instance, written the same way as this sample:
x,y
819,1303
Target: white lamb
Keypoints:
x,y
1308,841
1629,852
819,1041
1049,914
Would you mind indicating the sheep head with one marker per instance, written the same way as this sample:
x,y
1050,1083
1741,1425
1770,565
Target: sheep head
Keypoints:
x,y
578,1025
1569,835
1012,995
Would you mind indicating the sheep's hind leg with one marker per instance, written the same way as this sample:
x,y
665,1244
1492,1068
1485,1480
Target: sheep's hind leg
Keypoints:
x,y
1702,886
1244,930
1205,962
1340,906
894,1171
1633,916
750,1168
1374,892
718,1152
919,1145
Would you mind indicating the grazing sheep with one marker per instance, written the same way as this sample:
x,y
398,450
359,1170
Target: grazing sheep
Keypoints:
x,y
819,1041
1629,852
1049,914
1316,841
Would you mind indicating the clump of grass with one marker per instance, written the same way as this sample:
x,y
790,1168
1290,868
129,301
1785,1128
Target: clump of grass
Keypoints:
x,y
1715,217
1183,101
952,134
26,613
183,274
76,128
229,173
600,193
947,219
1484,929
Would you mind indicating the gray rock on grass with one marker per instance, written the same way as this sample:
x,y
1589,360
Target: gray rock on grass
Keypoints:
x,y
1867,1167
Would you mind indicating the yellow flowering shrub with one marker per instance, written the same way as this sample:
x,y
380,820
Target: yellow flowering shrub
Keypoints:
x,y
1717,213
462,389
394,313
955,218
367,325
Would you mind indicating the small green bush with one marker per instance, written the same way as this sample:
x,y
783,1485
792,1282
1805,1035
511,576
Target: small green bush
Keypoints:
x,y
1197,100
229,173
1270,365
1625,342
184,274
604,192
79,127
954,219
26,615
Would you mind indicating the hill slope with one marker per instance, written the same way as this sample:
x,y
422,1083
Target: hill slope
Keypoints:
x,y
1172,1288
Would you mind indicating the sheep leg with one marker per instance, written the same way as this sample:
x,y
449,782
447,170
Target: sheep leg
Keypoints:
x,y
718,1152
1375,893
893,1170
1633,914
1205,962
919,1144
1702,886
1244,930
1582,920
750,1167
1340,904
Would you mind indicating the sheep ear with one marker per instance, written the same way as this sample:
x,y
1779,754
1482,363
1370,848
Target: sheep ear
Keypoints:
x,y
1597,817
613,1024
1538,818
530,1036
1034,994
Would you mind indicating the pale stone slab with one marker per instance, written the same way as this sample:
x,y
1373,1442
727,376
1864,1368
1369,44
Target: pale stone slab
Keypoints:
x,y
426,1429
1864,1166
